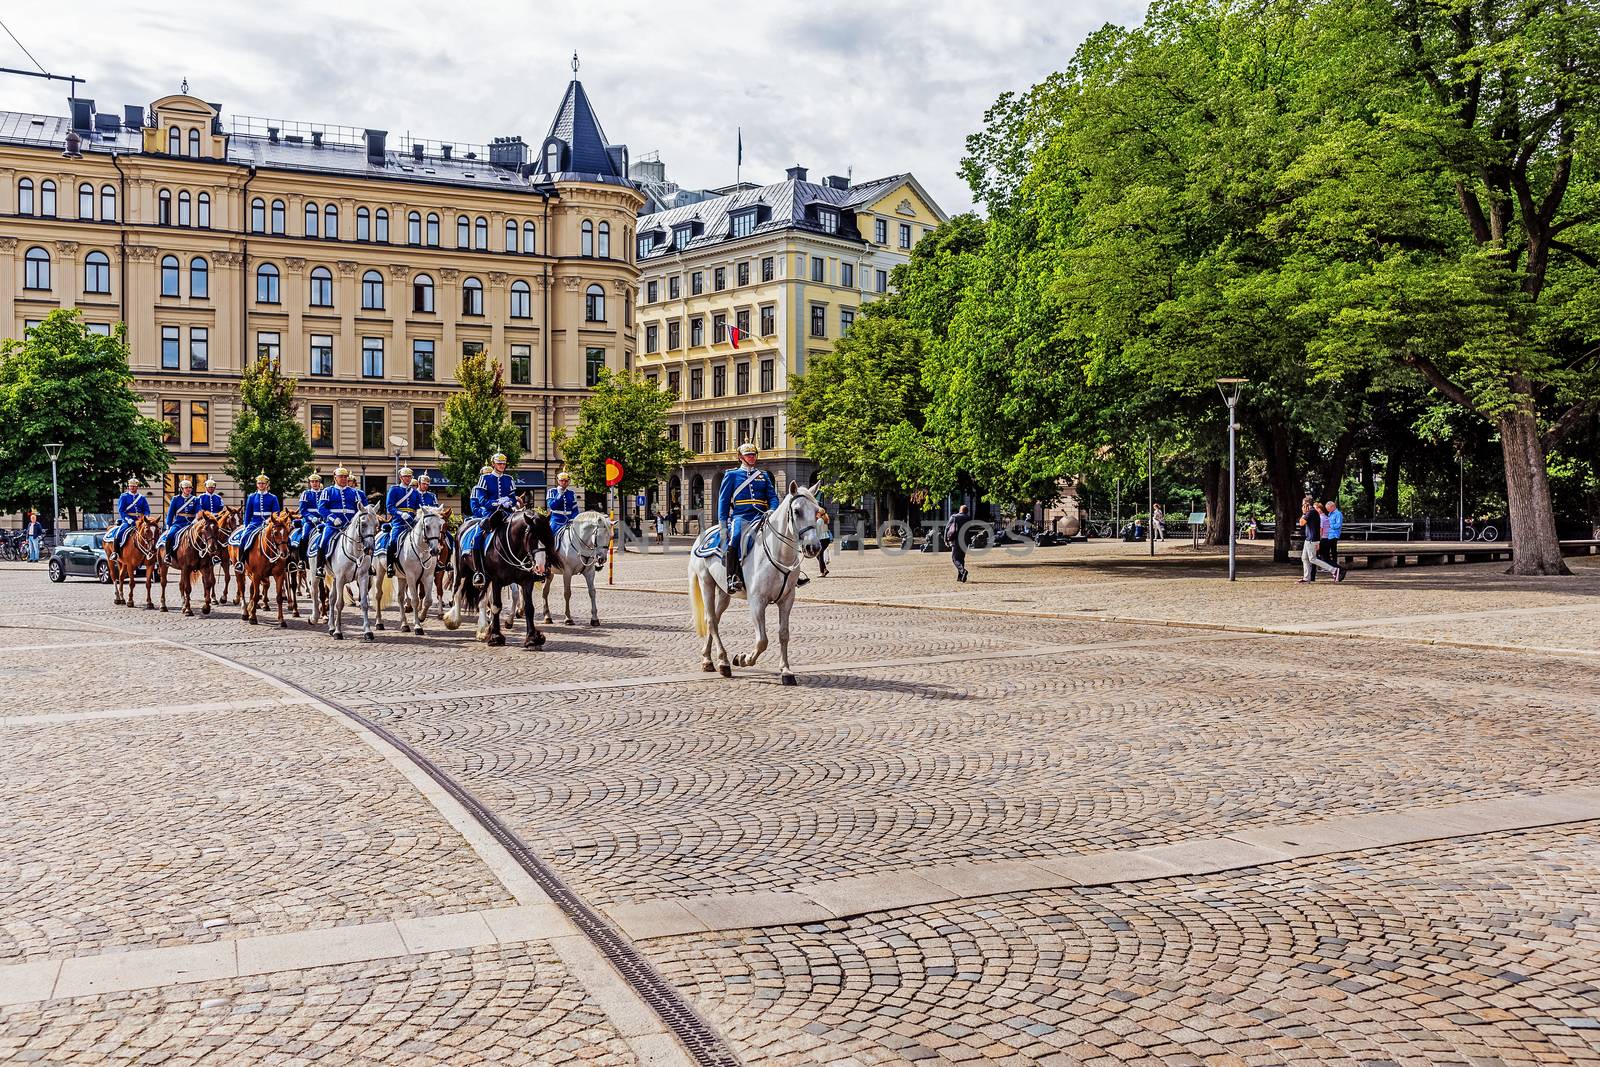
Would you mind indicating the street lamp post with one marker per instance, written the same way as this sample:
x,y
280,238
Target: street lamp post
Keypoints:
x,y
1461,492
1150,486
399,444
1229,388
54,452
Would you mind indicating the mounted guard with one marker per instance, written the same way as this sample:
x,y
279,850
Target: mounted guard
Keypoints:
x,y
259,506
181,511
492,501
130,505
211,500
400,504
562,503
336,506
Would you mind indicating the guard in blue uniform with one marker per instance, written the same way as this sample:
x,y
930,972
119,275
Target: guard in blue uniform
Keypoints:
x,y
492,500
259,506
308,512
336,507
210,500
746,494
181,511
130,504
561,502
400,504
428,498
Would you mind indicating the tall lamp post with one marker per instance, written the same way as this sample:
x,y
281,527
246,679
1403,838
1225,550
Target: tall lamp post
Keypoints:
x,y
1150,486
1230,388
54,452
399,445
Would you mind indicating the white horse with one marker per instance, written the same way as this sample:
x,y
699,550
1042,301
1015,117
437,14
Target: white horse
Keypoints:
x,y
581,548
349,562
416,557
770,568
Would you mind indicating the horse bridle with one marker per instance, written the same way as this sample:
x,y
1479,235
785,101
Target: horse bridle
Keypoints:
x,y
366,539
520,564
155,538
789,502
273,559
595,551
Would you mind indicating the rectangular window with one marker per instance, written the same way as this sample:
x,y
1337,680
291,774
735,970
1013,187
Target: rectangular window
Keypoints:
x,y
769,320
674,287
741,379
674,335
674,382
819,269
199,348
169,348
471,348
652,337
697,332
372,357
719,327
675,434
697,383
828,219
847,318
719,278
421,429
719,435
697,437
742,273
881,281
199,423
523,421
767,268
267,347
521,364
697,282
594,361
819,320
171,414
744,431
880,231
766,376
654,380
743,224
905,235
99,329
847,275
422,360
652,292
741,319
322,355
719,381
321,425
769,431
372,428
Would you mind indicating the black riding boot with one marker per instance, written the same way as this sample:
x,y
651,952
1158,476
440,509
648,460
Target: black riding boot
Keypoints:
x,y
735,579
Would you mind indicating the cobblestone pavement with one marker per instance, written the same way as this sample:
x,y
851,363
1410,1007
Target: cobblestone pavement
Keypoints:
x,y
918,738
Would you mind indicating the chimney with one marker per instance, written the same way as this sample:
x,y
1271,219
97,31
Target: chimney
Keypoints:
x,y
446,150
837,181
375,145
416,151
73,149
133,116
82,113
316,138
507,153
796,173
272,134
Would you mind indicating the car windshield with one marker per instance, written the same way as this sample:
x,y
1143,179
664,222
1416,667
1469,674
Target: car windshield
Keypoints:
x,y
80,540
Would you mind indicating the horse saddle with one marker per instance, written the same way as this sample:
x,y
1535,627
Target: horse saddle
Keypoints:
x,y
710,545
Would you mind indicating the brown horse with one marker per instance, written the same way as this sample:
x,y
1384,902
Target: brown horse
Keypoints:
x,y
266,561
138,550
192,552
446,565
227,522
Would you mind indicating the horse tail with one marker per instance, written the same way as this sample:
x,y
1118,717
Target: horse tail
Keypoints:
x,y
697,607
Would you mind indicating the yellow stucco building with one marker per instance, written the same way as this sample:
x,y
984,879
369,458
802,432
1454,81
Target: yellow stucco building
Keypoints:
x,y
788,266
366,265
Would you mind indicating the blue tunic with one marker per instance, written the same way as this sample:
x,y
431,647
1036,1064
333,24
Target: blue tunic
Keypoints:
x,y
563,506
129,505
258,508
494,492
211,502
308,515
745,496
335,507
181,511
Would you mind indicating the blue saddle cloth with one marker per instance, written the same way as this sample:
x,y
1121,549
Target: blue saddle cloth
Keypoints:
x,y
711,546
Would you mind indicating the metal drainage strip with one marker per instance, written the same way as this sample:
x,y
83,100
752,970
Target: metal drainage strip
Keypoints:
x,y
696,1034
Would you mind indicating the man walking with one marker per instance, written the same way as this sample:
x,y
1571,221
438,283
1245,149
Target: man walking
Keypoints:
x,y
1311,522
35,531
958,550
1332,527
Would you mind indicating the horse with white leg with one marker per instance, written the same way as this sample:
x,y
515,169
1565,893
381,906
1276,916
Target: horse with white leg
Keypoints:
x,y
416,559
347,560
517,550
581,547
769,566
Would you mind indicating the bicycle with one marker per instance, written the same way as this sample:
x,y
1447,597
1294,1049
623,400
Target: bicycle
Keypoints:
x,y
1093,527
1472,532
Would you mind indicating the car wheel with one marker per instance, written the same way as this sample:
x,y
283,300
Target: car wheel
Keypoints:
x,y
102,573
58,571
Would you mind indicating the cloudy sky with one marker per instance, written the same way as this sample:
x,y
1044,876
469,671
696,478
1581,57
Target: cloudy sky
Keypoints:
x,y
830,84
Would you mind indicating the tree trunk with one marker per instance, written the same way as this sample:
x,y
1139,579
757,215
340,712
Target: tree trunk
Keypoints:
x,y
1391,483
1285,482
1333,468
1536,547
1369,486
1214,483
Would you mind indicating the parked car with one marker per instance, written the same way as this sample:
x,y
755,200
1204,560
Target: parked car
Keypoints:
x,y
79,555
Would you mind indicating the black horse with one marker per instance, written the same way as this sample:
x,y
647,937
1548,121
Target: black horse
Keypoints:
x,y
520,549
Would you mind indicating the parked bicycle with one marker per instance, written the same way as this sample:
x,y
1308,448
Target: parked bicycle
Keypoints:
x,y
1472,531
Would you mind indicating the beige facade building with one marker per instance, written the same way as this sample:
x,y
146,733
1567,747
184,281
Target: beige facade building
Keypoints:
x,y
365,265
739,291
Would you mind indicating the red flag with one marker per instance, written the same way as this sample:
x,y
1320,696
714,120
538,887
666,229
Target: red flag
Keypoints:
x,y
733,333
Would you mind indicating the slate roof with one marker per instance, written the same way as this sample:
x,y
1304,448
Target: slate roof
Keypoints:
x,y
589,154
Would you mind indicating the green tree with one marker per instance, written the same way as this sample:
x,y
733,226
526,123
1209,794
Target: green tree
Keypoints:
x,y
266,437
476,424
63,384
624,418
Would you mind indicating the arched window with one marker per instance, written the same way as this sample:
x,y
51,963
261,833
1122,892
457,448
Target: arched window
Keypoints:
x,y
433,230
86,201
37,267
164,207
108,203
258,215
47,199
697,492
96,273
330,222
586,243
372,291
552,158
528,246
183,208
382,226
266,284
205,211
480,233
174,142
511,235
472,297
280,217
363,224
594,304
169,276
414,228
313,213
199,279
321,287
463,232
422,293
605,240
521,300
194,143
25,196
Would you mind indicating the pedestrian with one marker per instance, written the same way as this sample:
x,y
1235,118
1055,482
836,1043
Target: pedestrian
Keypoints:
x,y
1158,522
826,537
1250,530
952,534
661,529
1311,522
1332,527
35,531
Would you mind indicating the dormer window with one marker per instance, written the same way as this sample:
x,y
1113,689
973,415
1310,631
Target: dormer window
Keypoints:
x,y
828,219
743,224
681,235
554,149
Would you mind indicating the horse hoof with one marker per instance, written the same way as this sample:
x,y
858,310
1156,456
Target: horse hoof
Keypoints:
x,y
404,629
186,611
251,621
338,637
370,636
283,624
203,611
163,607
725,670
594,622
788,679
708,667
494,640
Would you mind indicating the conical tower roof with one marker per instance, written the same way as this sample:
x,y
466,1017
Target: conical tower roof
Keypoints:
x,y
584,150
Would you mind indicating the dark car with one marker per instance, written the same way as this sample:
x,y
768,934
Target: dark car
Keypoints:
x,y
79,555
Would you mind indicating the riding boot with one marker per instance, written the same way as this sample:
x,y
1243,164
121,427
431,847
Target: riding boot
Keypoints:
x,y
735,579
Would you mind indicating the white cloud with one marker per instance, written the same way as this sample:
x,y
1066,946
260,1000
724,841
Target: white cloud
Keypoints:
x,y
828,84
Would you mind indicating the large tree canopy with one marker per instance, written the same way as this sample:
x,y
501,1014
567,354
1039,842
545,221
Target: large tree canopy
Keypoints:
x,y
476,424
624,417
267,438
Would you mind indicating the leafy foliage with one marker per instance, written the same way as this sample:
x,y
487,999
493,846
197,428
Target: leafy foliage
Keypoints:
x,y
267,438
624,418
476,424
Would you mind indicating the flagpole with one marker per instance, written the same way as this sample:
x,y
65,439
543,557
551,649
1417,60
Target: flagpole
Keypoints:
x,y
738,166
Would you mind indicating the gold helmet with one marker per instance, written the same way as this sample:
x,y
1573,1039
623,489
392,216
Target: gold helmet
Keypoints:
x,y
133,482
747,449
262,477
186,484
498,457
423,477
405,472
315,478
564,475
341,470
